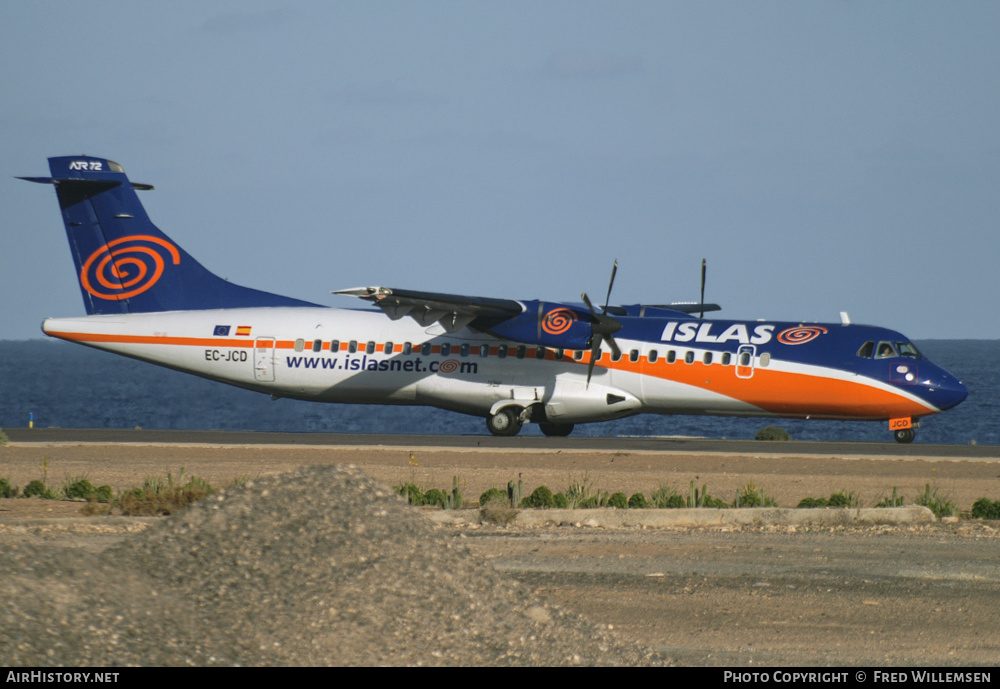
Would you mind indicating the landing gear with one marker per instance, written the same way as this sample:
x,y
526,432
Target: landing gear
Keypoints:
x,y
905,435
505,422
557,430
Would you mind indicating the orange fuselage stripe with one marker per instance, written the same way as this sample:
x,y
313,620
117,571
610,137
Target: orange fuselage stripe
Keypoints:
x,y
778,392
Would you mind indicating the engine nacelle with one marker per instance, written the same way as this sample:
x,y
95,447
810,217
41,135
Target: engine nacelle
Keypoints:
x,y
575,402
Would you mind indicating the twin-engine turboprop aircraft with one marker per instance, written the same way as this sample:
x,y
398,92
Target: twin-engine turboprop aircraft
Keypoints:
x,y
510,361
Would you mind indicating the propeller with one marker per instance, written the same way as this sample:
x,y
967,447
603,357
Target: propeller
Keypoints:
x,y
603,327
702,300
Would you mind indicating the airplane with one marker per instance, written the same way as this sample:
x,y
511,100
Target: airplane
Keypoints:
x,y
509,361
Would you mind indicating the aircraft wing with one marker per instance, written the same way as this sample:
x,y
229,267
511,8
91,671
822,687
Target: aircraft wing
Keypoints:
x,y
452,311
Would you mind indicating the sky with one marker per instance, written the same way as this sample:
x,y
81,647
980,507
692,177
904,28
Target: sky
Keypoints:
x,y
822,156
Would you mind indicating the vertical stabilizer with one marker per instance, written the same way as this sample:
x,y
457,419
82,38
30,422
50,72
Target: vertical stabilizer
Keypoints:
x,y
124,263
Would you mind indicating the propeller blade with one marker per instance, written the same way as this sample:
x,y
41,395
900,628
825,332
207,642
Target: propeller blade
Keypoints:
x,y
702,301
595,354
602,327
615,349
611,283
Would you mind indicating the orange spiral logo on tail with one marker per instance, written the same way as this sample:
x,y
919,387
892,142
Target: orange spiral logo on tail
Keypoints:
x,y
127,266
801,334
558,321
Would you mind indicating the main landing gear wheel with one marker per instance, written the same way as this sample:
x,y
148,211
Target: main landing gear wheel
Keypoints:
x,y
558,430
504,422
905,435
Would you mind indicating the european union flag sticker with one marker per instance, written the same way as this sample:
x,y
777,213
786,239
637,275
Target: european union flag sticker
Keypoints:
x,y
221,330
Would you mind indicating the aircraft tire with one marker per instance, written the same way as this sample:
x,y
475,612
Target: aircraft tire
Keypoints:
x,y
556,430
505,422
905,435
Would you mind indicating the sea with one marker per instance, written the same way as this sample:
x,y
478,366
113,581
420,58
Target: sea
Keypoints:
x,y
55,384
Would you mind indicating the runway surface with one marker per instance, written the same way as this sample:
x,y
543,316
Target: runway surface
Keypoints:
x,y
516,444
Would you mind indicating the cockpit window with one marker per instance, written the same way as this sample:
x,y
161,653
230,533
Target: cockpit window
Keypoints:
x,y
866,349
885,350
907,349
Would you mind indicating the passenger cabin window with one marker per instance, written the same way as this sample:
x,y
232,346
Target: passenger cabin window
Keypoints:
x,y
334,345
689,358
425,348
317,345
300,344
616,357
745,359
727,358
352,346
407,348
446,349
707,358
578,355
484,350
633,355
370,348
502,351
671,356
652,356
560,354
521,351
464,351
765,359
388,348
539,352
866,349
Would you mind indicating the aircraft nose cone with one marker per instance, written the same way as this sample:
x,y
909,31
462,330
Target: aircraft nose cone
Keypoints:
x,y
949,392
957,392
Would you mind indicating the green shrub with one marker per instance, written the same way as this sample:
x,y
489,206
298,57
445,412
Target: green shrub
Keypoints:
x,y
984,508
585,495
811,503
714,503
637,501
701,498
618,501
3,437
665,497
560,501
158,497
435,497
940,505
896,500
78,489
772,433
540,498
7,490
38,489
411,493
752,496
102,494
492,494
844,499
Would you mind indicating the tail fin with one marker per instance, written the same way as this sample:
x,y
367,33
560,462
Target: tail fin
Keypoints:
x,y
124,263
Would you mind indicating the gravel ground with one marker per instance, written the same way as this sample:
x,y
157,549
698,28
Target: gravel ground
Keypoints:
x,y
330,568
269,574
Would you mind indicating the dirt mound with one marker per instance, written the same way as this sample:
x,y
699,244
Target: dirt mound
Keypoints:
x,y
321,566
